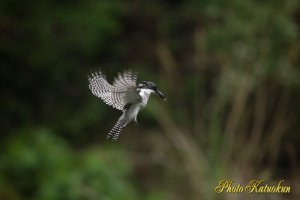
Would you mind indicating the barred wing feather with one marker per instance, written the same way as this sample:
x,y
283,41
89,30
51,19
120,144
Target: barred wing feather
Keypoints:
x,y
116,95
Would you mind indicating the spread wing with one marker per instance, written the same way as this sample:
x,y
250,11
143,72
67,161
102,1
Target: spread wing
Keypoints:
x,y
117,95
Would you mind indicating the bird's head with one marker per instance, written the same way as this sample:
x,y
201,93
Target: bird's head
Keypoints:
x,y
148,85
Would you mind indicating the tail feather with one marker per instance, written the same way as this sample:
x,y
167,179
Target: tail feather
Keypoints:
x,y
116,130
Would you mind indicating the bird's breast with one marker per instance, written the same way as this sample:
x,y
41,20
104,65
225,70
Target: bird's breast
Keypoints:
x,y
144,94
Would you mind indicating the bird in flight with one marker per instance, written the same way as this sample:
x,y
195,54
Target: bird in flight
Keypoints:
x,y
124,94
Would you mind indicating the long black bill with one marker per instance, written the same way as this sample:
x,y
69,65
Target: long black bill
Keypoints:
x,y
161,95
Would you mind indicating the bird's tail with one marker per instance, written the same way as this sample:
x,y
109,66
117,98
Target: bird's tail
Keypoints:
x,y
116,130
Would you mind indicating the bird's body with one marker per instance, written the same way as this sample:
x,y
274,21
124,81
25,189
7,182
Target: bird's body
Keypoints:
x,y
123,95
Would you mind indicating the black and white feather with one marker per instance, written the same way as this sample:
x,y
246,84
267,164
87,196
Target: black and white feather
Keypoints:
x,y
124,94
117,95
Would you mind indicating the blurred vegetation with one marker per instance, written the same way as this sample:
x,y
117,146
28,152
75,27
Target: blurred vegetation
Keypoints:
x,y
39,165
230,70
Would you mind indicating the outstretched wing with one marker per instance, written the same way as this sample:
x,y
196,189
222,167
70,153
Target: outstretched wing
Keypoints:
x,y
125,80
117,95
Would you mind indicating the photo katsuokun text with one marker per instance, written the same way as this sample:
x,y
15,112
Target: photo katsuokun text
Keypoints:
x,y
253,186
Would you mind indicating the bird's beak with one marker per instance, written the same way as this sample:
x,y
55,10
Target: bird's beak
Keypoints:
x,y
160,94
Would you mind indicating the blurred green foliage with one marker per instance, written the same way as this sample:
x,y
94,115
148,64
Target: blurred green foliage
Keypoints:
x,y
230,70
39,165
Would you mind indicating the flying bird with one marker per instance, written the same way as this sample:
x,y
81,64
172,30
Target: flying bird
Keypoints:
x,y
124,94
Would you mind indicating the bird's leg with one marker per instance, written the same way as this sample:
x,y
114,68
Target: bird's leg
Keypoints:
x,y
135,120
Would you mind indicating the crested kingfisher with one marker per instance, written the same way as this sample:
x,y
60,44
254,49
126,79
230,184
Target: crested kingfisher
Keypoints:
x,y
124,94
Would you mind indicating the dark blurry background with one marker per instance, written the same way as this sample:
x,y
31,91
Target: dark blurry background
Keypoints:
x,y
230,70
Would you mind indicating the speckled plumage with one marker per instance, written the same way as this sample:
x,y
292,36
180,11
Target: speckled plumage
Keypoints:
x,y
124,94
116,95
